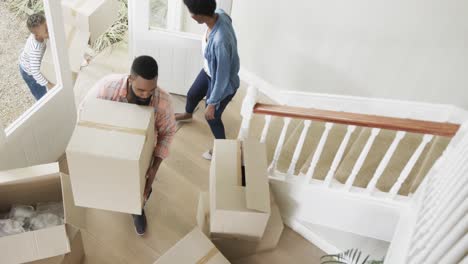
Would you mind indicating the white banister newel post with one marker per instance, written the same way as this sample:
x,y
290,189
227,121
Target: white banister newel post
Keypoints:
x,y
265,128
383,164
248,105
409,166
318,153
298,150
362,157
279,146
339,156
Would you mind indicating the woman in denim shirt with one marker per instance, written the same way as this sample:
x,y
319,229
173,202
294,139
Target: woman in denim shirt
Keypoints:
x,y
219,78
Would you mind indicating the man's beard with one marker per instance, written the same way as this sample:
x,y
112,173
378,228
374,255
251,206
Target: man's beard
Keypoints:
x,y
139,100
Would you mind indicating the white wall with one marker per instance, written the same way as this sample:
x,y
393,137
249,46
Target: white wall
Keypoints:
x,y
399,49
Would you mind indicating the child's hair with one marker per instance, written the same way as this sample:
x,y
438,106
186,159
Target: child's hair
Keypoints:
x,y
35,20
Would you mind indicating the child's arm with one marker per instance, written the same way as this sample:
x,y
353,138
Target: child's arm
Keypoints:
x,y
35,60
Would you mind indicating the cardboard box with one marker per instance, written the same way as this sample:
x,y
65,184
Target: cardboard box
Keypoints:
x,y
93,16
30,186
109,154
194,248
76,255
234,248
77,43
238,211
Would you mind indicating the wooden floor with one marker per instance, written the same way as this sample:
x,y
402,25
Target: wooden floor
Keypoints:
x,y
110,237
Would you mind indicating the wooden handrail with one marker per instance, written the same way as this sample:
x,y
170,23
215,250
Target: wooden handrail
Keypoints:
x,y
374,121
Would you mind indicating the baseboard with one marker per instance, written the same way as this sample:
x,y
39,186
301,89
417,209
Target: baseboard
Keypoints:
x,y
310,236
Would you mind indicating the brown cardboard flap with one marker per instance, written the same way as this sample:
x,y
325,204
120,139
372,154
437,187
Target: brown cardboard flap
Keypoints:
x,y
256,176
96,110
76,254
130,126
34,245
202,211
228,161
30,186
194,248
74,215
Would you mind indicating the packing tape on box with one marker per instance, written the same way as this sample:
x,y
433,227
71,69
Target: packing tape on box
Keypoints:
x,y
208,256
112,128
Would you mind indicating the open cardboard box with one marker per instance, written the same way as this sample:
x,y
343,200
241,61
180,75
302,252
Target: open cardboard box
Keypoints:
x,y
108,155
93,16
239,211
30,186
235,248
77,43
194,248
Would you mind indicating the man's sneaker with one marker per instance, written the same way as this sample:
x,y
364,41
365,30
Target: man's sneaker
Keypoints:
x,y
207,155
140,223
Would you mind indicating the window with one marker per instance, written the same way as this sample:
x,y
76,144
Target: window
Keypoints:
x,y
158,13
173,16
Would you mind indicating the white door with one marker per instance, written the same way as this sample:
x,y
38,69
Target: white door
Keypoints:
x,y
164,30
42,133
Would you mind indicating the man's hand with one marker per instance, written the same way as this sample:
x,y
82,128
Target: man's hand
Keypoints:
x,y
50,85
147,192
210,112
150,175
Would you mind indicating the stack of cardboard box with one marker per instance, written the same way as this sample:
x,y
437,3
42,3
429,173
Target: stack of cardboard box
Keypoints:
x,y
85,21
239,213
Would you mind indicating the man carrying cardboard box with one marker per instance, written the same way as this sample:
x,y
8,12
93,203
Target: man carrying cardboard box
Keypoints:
x,y
141,88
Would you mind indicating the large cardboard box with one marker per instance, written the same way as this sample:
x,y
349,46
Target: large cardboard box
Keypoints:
x,y
30,186
239,211
234,248
77,43
93,16
194,248
109,154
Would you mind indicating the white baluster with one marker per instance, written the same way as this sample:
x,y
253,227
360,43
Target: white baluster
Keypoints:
x,y
383,164
453,161
451,211
450,189
432,255
339,156
265,129
361,159
298,150
452,195
456,253
409,166
318,153
279,146
247,108
439,222
446,235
